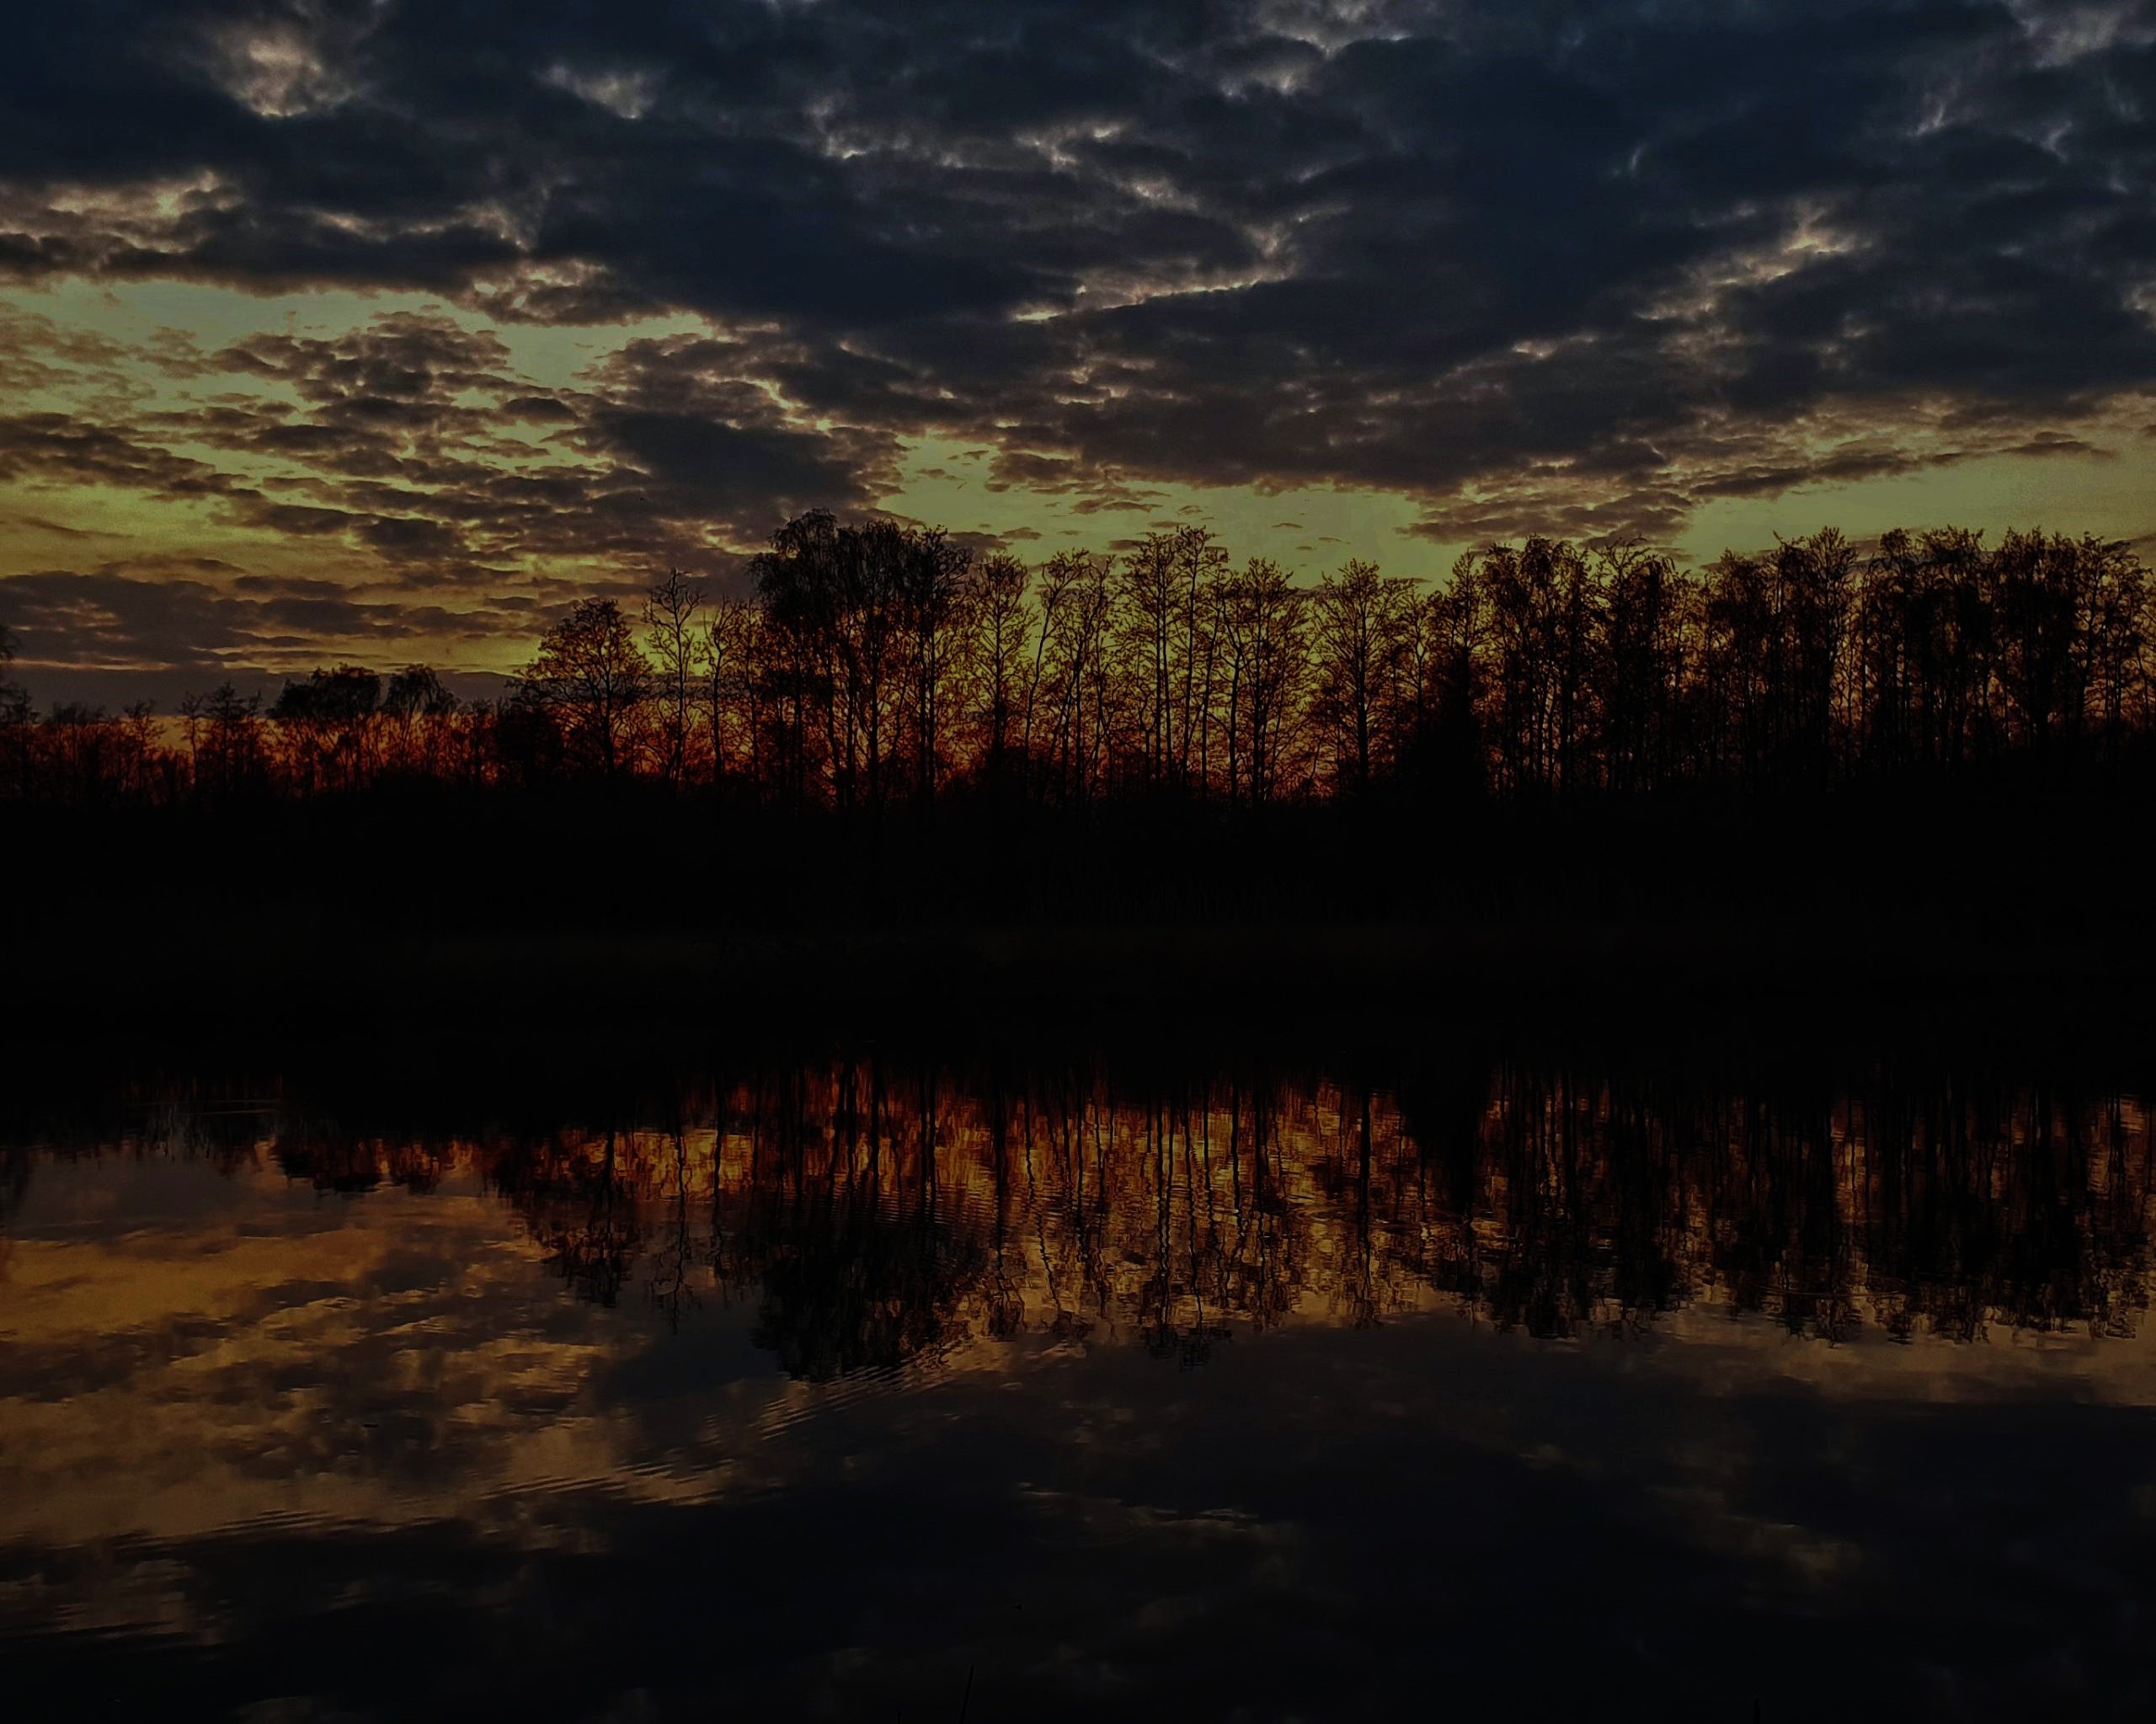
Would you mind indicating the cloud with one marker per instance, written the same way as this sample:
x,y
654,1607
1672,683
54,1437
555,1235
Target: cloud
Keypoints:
x,y
159,627
1566,266
411,449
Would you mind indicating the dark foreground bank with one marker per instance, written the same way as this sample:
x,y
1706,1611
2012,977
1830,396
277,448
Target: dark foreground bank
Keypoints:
x,y
630,917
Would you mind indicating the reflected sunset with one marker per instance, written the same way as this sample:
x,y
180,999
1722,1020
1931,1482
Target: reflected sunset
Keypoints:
x,y
517,1350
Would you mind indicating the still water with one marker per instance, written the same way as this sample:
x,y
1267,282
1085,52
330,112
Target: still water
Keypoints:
x,y
853,1388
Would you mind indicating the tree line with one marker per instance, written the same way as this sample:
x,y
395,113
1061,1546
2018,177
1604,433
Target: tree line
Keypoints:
x,y
871,666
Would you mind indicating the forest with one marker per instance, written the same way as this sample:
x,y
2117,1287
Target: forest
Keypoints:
x,y
873,667
1940,732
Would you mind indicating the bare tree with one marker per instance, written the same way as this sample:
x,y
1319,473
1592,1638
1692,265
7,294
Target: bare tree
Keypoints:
x,y
677,649
1362,638
591,677
327,726
733,687
937,615
1004,629
418,710
1078,685
1265,620
15,716
224,738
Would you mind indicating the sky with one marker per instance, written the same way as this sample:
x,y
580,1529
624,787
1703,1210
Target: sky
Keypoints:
x,y
381,331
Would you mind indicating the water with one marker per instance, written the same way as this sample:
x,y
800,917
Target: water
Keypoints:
x,y
854,1387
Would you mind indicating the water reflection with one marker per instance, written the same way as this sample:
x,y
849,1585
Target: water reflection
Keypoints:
x,y
878,1214
851,1376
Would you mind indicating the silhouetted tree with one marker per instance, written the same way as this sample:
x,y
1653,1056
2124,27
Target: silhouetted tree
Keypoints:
x,y
1268,668
1166,596
226,755
1650,628
592,680
670,609
1075,694
736,687
327,726
1362,633
14,719
872,664
419,714
1005,627
938,615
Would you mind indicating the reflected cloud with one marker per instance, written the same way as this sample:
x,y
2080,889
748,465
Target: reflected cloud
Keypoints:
x,y
776,1370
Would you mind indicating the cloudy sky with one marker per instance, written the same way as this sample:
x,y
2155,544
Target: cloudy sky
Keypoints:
x,y
381,328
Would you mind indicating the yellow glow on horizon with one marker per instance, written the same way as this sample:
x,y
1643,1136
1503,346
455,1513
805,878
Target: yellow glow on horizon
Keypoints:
x,y
140,357
1307,529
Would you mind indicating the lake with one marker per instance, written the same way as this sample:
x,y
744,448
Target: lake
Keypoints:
x,y
1473,1383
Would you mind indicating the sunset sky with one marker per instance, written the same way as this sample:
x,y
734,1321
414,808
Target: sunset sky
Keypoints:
x,y
380,330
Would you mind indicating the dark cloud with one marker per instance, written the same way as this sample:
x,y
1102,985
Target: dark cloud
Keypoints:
x,y
412,442
1609,260
62,447
158,628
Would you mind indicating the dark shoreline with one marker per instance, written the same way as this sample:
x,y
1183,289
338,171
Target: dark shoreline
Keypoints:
x,y
636,934
286,981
